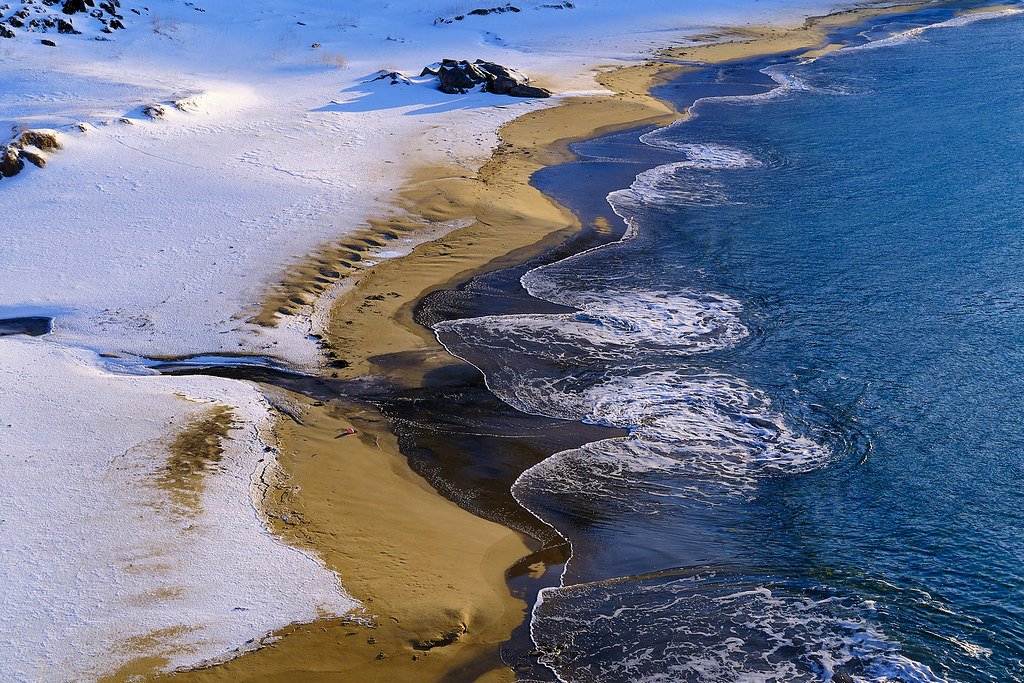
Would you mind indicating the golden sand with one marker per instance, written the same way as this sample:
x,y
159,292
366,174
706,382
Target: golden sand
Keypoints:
x,y
431,575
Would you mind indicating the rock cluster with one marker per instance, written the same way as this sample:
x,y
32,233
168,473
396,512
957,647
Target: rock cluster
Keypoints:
x,y
55,15
461,76
28,146
480,12
154,111
394,77
484,11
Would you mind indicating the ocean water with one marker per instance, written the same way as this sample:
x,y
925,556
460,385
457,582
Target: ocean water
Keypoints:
x,y
814,332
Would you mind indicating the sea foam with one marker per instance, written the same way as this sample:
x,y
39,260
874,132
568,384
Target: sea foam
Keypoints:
x,y
710,626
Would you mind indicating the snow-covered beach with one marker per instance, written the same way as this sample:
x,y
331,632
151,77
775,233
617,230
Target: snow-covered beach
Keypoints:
x,y
161,233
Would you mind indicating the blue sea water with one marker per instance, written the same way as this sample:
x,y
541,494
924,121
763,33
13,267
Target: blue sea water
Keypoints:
x,y
814,332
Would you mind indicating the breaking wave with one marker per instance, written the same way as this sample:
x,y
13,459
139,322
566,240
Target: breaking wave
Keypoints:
x,y
712,626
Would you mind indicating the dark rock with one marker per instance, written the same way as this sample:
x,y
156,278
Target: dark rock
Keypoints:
x,y
494,10
459,77
41,24
41,140
501,79
522,90
65,26
73,6
475,73
499,71
49,43
501,86
393,76
38,160
11,163
455,81
16,21
155,111
115,24
6,31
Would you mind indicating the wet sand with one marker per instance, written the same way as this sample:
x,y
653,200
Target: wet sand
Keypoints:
x,y
431,575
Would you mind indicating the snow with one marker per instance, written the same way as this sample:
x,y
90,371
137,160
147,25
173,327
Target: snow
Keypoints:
x,y
122,561
160,237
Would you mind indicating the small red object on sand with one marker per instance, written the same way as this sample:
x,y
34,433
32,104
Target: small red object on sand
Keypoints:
x,y
347,432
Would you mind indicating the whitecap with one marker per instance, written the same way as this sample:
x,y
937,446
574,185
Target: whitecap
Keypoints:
x,y
711,627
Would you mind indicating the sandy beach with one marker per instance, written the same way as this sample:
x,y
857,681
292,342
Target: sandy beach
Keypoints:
x,y
431,575
321,500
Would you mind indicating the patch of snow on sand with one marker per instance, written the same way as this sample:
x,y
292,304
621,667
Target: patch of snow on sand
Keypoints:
x,y
100,563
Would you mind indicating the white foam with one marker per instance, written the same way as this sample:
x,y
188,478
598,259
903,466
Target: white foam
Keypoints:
x,y
703,155
610,326
912,34
689,436
708,627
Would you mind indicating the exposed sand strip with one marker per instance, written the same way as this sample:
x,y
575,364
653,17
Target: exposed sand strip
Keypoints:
x,y
430,574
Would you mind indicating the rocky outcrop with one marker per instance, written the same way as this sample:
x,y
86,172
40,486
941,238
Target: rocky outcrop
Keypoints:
x,y
29,146
503,9
479,12
502,80
11,163
154,111
394,77
523,90
42,140
457,77
45,16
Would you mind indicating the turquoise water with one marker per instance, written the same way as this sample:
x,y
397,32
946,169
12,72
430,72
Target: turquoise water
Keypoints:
x,y
815,336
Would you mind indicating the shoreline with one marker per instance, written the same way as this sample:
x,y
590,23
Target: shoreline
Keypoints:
x,y
375,318
433,614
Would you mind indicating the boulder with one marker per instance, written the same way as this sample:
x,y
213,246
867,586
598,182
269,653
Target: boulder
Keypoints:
x,y
500,79
11,163
6,31
155,111
522,90
394,77
40,139
484,11
455,81
499,71
73,6
460,76
36,159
